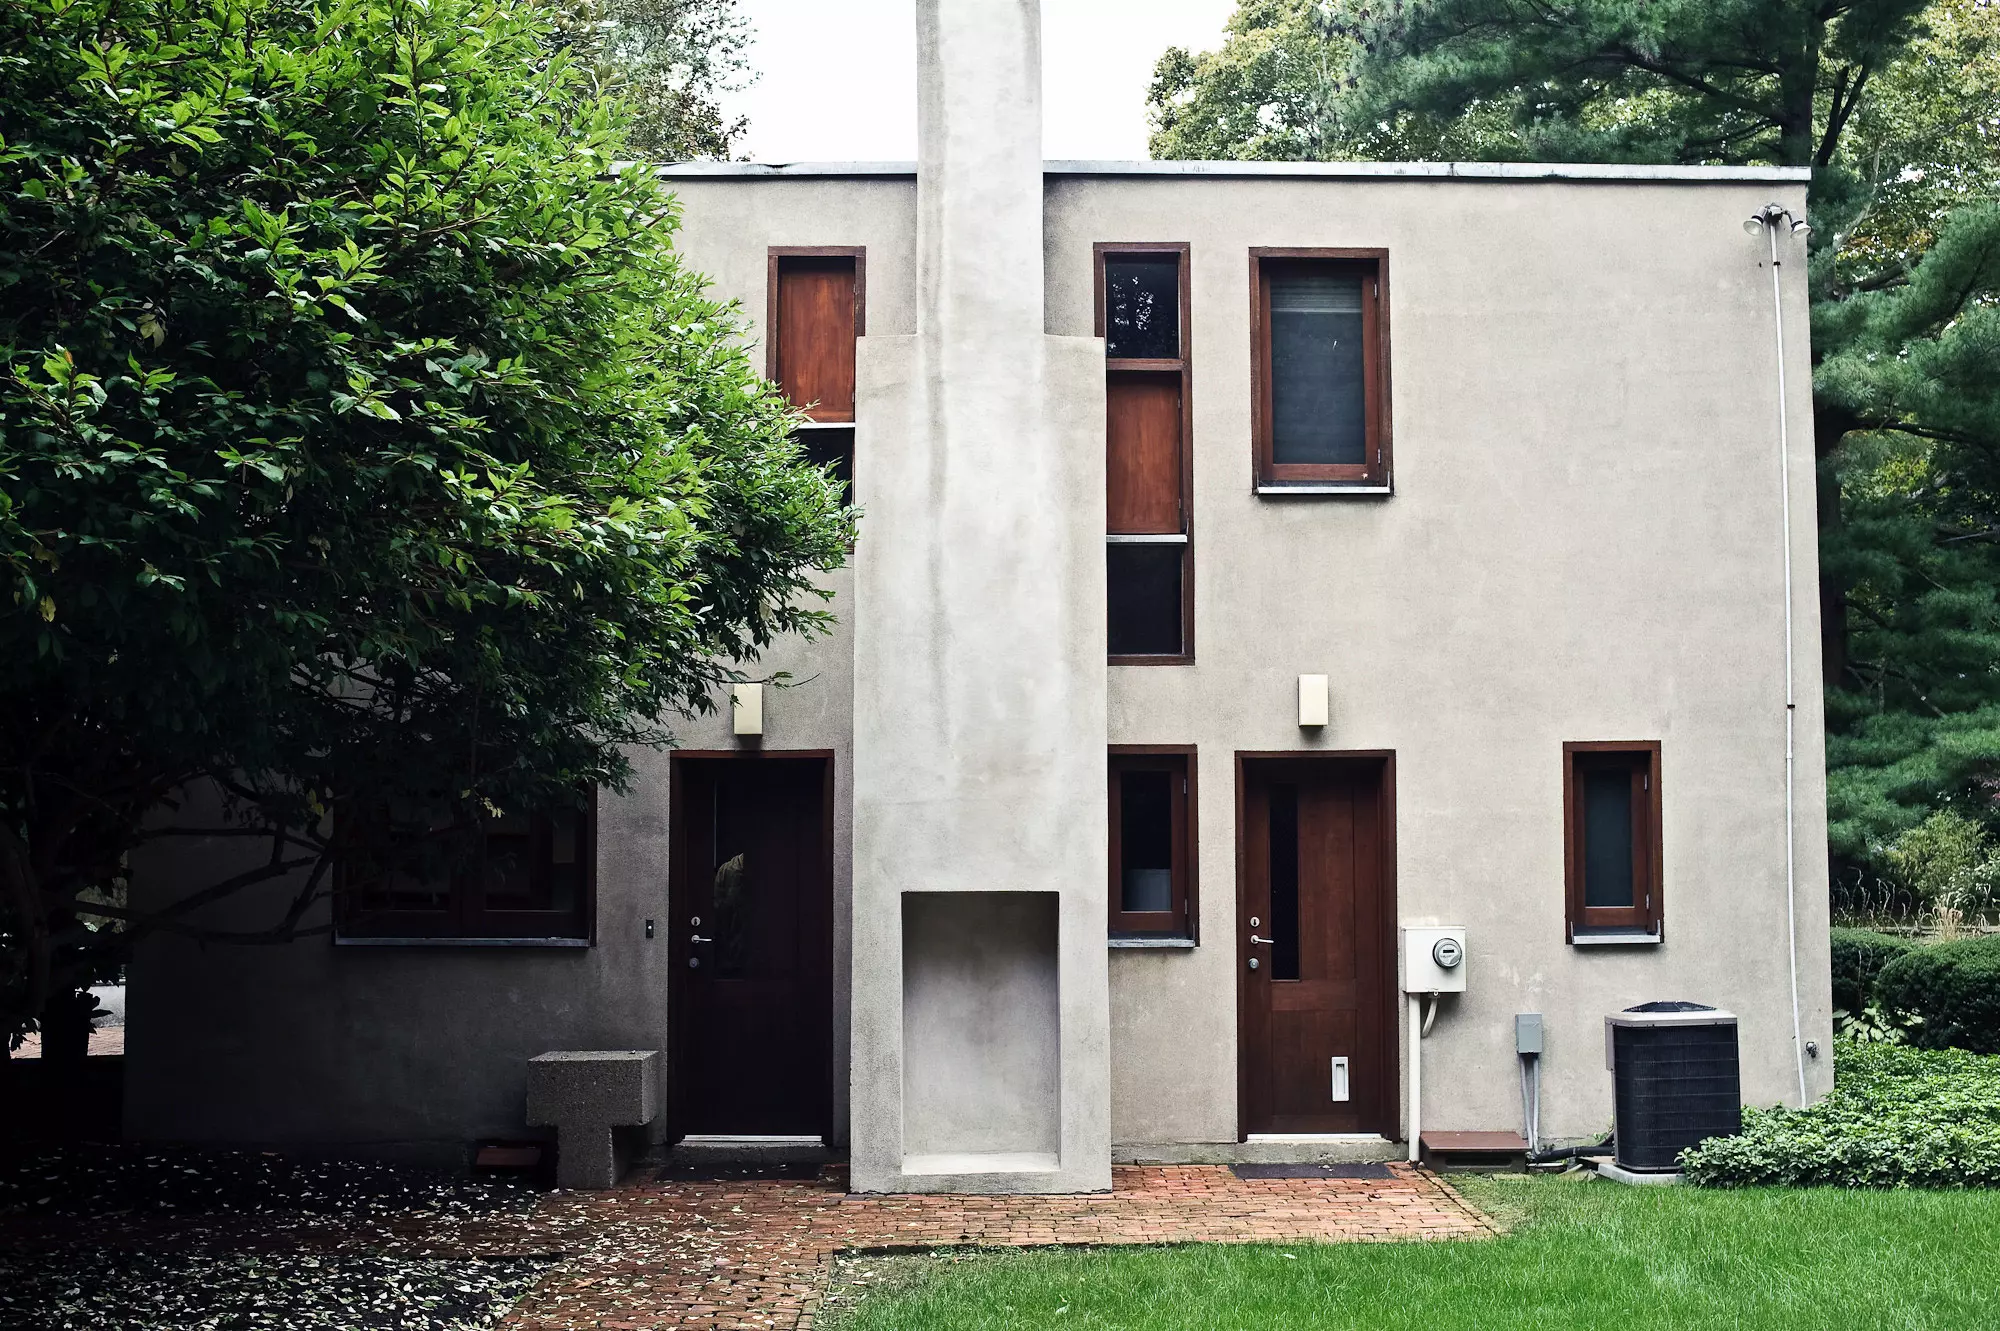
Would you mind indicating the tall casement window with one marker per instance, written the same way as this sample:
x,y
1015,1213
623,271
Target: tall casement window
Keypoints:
x,y
1152,843
1142,299
1320,369
1611,794
508,879
815,314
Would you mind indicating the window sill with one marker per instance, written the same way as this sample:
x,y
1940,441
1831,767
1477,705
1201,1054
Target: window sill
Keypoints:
x,y
462,942
1310,490
1614,938
1181,943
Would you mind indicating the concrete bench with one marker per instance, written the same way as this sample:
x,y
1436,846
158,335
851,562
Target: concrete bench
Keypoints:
x,y
585,1093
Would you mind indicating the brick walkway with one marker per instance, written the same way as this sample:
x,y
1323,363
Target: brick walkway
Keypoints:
x,y
758,1254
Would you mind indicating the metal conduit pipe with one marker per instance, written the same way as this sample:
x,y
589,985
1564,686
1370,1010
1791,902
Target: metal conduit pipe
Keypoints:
x,y
1773,218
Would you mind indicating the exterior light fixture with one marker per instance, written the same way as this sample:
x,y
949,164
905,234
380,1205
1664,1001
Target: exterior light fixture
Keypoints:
x,y
1772,215
1312,701
747,709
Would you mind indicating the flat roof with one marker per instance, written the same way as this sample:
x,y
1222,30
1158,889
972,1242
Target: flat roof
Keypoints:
x,y
1333,170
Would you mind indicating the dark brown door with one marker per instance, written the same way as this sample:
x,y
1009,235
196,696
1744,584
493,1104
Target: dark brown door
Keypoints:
x,y
751,934
1315,940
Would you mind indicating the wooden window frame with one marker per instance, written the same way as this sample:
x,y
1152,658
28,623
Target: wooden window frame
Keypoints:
x,y
1183,922
1372,475
466,922
1183,252
1643,921
774,256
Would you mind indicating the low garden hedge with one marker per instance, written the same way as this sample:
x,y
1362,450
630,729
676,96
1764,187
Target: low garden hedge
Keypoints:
x,y
1858,958
1954,988
1898,1117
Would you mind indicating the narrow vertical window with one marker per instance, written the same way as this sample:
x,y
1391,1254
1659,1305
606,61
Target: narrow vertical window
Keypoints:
x,y
1284,921
1142,316
1320,408
1152,844
1613,851
815,314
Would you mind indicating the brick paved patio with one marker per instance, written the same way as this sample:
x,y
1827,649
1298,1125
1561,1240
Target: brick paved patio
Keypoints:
x,y
758,1254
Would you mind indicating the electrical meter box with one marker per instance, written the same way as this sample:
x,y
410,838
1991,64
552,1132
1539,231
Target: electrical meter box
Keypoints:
x,y
1433,960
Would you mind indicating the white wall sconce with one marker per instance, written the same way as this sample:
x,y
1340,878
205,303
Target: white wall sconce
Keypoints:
x,y
747,707
1312,700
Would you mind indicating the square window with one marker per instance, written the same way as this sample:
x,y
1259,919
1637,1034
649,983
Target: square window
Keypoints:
x,y
1142,306
1319,413
1152,843
1612,851
1320,400
832,446
514,877
1144,597
813,315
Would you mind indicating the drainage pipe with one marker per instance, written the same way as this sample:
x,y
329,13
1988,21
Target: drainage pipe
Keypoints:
x,y
1772,215
1531,1101
1416,1006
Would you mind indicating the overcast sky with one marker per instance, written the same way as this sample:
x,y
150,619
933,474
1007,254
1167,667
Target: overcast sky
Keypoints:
x,y
837,78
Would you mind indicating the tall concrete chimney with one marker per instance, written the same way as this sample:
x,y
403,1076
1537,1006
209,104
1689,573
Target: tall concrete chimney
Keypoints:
x,y
979,989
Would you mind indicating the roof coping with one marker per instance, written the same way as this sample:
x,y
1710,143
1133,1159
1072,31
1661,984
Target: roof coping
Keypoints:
x,y
1529,171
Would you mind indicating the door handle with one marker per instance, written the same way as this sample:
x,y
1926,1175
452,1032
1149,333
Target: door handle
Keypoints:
x,y
697,938
1267,942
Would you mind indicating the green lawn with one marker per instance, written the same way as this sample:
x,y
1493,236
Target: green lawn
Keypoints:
x,y
1579,1254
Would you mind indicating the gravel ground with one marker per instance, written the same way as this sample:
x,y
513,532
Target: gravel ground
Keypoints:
x,y
100,1180
157,1291
96,1238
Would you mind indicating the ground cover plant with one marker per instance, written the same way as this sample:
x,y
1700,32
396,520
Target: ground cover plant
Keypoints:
x,y
1578,1254
1897,1117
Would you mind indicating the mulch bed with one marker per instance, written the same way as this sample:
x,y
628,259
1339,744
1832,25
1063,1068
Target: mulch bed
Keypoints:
x,y
95,1237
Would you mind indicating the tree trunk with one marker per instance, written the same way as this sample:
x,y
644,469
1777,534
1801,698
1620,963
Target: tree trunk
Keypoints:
x,y
1798,86
66,1028
1830,425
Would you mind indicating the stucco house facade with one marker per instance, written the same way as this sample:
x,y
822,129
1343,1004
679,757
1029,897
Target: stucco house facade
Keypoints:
x,y
1257,559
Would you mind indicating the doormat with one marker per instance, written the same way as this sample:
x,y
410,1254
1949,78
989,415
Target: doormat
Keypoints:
x,y
692,1172
1362,1170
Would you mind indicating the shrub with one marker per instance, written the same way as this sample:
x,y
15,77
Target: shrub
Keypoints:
x,y
1858,958
1897,1118
1948,860
1954,988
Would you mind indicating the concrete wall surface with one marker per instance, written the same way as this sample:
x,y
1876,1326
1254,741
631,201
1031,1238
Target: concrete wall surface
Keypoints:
x,y
1582,545
982,1028
401,1052
979,648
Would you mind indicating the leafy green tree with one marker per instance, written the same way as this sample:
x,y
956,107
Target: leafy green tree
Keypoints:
x,y
361,435
1279,89
670,60
1896,108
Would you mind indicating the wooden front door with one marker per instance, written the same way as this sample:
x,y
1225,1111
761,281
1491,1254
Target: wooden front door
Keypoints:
x,y
750,928
1316,947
